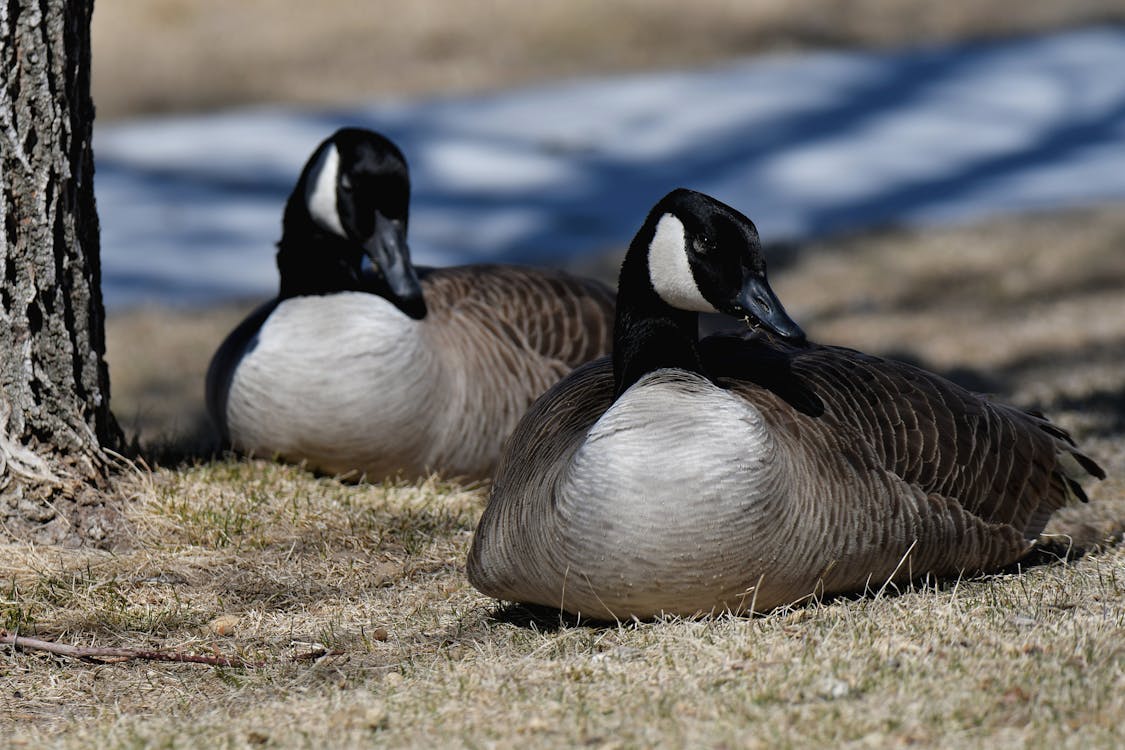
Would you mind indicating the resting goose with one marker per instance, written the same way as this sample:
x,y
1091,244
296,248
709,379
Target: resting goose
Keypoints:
x,y
364,365
744,472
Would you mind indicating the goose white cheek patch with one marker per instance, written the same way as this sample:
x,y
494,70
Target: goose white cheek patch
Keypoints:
x,y
320,191
669,270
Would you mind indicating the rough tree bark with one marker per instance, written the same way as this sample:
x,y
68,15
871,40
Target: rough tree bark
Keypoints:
x,y
54,384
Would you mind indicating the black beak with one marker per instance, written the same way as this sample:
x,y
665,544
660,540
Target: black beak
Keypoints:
x,y
759,302
388,250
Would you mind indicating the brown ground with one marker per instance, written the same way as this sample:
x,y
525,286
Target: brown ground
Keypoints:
x,y
176,55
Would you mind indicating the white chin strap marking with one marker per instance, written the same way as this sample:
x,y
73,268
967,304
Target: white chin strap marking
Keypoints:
x,y
669,270
320,191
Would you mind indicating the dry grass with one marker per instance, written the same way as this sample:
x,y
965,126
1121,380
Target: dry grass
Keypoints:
x,y
288,561
176,55
158,361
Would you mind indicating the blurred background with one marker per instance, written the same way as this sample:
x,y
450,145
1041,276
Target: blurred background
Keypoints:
x,y
161,56
940,182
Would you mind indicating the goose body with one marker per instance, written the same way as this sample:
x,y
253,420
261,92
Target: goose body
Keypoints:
x,y
742,472
356,370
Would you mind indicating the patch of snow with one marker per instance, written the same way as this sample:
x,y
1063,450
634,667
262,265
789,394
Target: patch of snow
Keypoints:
x,y
805,145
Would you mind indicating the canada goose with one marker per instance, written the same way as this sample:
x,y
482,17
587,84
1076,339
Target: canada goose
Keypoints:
x,y
743,473
380,369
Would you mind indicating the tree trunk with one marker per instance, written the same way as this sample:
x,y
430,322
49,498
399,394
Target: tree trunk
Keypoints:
x,y
54,384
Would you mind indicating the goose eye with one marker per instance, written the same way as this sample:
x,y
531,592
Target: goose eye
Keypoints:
x,y
345,182
703,245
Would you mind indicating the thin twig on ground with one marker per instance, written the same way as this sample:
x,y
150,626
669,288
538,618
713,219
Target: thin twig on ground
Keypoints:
x,y
116,655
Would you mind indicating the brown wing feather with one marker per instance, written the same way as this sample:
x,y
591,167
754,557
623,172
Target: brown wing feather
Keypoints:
x,y
548,312
1002,465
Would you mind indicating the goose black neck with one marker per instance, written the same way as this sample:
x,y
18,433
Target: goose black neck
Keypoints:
x,y
648,333
316,262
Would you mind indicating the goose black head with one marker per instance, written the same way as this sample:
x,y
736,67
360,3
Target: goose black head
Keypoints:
x,y
355,189
704,256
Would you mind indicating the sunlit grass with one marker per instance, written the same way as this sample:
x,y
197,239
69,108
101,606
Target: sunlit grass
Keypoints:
x,y
296,564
